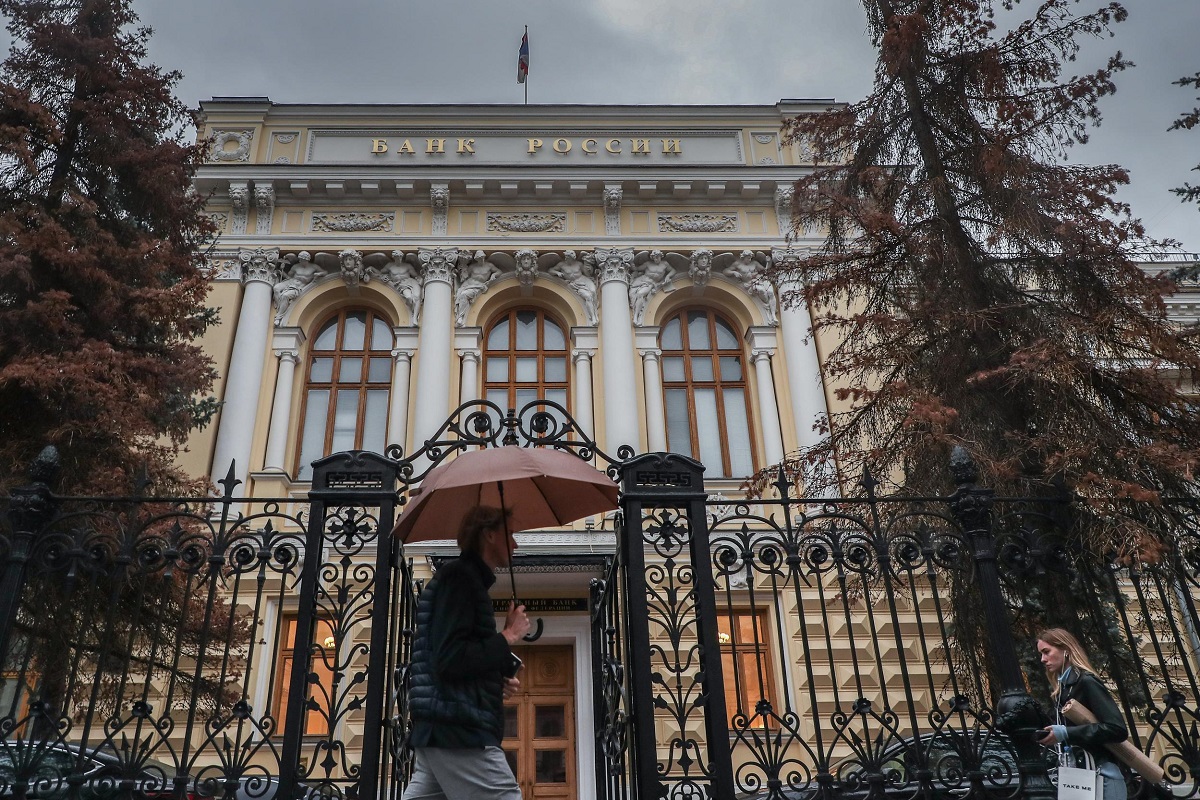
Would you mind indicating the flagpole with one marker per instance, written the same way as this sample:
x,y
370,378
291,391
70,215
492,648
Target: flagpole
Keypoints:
x,y
526,70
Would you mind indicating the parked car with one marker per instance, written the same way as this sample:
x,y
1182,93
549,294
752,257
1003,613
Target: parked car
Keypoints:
x,y
42,770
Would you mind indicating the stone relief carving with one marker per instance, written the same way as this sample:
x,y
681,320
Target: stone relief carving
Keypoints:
x,y
399,271
221,140
474,275
264,205
612,210
524,263
285,138
239,197
749,270
439,199
580,277
766,161
527,223
764,138
437,264
219,220
350,264
222,264
382,222
783,207
698,223
283,160
653,272
700,266
296,272
259,264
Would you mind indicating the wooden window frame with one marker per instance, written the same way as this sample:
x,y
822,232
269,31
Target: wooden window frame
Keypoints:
x,y
762,650
289,626
511,353
685,353
334,385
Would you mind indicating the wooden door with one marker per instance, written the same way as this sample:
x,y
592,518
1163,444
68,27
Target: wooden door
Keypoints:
x,y
539,724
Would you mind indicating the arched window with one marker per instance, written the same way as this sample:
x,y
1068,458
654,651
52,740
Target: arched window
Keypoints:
x,y
525,360
704,389
347,380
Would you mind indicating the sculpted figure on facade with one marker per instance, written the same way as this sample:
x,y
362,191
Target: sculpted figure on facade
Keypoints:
x,y
350,263
749,269
700,266
297,273
580,277
652,272
474,275
524,263
399,272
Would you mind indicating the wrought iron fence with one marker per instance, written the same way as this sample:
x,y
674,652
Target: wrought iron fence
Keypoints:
x,y
883,647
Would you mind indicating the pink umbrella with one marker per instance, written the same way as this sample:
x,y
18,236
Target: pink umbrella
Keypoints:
x,y
543,488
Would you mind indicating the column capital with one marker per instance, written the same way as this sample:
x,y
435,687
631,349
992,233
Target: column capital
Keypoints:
x,y
613,263
403,354
650,353
761,354
291,356
260,264
437,264
470,354
580,355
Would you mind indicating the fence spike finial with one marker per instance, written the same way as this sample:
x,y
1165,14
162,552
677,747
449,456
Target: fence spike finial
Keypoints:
x,y
230,481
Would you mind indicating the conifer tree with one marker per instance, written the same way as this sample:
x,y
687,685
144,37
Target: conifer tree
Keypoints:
x,y
1188,193
984,291
101,290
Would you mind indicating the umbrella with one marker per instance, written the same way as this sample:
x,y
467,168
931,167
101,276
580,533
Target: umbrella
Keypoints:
x,y
543,488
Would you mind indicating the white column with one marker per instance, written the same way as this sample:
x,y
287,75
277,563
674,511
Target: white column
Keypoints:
x,y
646,340
235,433
406,344
584,343
286,344
437,326
768,410
616,335
467,342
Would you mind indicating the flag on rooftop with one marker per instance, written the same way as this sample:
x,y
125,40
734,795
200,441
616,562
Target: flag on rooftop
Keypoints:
x,y
523,58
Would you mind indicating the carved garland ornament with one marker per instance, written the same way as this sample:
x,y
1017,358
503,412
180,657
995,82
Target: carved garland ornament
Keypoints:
x,y
698,223
527,223
222,138
354,223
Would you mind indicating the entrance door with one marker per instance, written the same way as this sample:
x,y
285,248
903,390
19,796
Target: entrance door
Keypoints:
x,y
539,724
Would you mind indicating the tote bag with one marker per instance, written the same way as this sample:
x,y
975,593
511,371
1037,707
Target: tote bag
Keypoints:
x,y
1075,783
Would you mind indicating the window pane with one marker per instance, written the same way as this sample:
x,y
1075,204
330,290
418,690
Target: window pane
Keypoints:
x,y
670,336
511,757
351,371
381,370
500,398
526,396
702,368
527,330
726,338
381,335
497,370
527,370
327,338
731,368
556,370
550,766
313,445
498,338
344,421
673,369
375,421
708,431
511,729
322,370
557,396
549,722
698,330
738,430
356,331
679,434
552,336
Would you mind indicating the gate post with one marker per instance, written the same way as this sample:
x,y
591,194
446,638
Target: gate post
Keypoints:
x,y
31,507
1017,713
344,486
681,603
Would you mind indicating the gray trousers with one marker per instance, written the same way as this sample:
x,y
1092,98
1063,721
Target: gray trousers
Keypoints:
x,y
444,773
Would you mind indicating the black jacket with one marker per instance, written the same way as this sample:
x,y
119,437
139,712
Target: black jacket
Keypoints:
x,y
459,660
1109,728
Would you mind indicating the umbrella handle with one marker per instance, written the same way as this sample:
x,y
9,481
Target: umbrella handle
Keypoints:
x,y
536,633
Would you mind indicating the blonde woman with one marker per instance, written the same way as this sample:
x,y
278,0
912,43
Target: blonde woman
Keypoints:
x,y
1072,677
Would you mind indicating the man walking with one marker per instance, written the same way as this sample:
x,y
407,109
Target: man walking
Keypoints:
x,y
463,669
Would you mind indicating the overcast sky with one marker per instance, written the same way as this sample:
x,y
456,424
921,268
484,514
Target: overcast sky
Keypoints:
x,y
645,51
